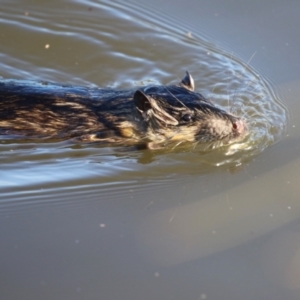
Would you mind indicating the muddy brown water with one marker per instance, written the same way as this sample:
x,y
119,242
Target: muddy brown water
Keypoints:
x,y
87,222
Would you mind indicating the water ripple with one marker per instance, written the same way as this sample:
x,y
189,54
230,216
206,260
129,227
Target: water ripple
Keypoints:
x,y
120,45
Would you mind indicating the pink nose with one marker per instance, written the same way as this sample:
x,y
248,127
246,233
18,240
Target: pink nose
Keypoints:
x,y
239,127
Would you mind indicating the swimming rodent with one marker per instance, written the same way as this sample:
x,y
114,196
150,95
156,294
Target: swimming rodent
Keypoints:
x,y
152,115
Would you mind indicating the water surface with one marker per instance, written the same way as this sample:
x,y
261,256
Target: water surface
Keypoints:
x,y
87,222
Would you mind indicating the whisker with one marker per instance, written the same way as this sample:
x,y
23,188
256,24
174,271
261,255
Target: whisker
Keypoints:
x,y
195,145
174,96
177,145
248,84
248,62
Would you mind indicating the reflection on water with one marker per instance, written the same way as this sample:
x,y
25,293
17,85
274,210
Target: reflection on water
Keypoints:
x,y
83,221
228,82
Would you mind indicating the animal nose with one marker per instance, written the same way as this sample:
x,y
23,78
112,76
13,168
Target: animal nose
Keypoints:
x,y
239,126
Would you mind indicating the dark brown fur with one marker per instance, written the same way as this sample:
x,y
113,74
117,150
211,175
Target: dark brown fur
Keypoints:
x,y
154,115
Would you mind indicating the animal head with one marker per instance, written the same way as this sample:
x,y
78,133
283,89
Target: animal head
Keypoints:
x,y
178,113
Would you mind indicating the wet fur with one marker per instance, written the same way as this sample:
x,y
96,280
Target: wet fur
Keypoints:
x,y
154,115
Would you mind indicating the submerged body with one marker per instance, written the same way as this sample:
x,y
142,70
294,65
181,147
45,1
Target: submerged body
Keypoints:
x,y
151,115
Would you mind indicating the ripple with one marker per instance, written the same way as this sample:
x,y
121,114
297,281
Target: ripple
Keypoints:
x,y
120,45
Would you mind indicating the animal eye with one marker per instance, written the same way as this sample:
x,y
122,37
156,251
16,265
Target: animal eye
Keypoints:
x,y
187,117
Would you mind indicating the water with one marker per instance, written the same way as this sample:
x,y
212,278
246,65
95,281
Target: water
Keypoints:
x,y
83,221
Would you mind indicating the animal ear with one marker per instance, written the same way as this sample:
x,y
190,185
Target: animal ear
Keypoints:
x,y
188,82
141,101
145,103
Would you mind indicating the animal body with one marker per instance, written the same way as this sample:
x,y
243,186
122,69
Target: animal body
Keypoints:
x,y
151,115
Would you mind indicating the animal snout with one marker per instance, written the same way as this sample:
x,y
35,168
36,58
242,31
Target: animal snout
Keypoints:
x,y
239,126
